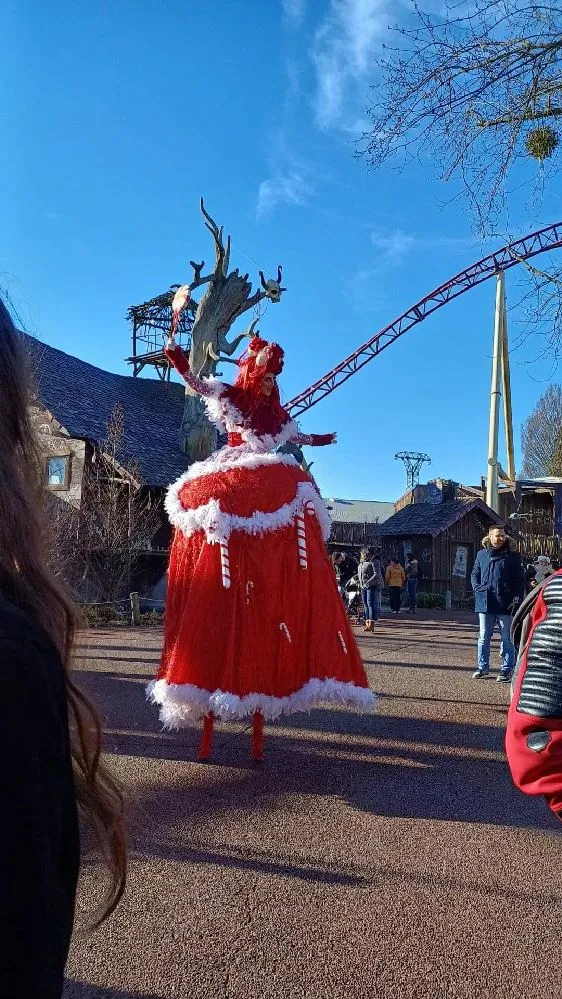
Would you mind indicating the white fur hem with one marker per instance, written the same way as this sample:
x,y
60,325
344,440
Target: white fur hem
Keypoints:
x,y
183,704
218,526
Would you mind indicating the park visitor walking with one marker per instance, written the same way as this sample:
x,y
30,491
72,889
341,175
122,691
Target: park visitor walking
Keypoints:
x,y
395,579
498,582
412,576
337,559
543,568
50,768
371,584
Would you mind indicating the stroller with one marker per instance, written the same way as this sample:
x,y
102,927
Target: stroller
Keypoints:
x,y
354,602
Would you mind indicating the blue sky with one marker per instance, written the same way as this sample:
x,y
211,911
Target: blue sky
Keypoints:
x,y
120,116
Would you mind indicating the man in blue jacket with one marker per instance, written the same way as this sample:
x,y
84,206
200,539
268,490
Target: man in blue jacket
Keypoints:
x,y
498,581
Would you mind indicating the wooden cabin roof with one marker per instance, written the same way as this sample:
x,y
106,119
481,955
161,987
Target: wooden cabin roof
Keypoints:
x,y
432,519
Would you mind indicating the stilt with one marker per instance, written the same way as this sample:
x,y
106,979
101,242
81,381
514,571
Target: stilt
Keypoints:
x,y
257,736
206,743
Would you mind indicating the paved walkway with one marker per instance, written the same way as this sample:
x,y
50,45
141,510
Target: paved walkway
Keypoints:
x,y
371,856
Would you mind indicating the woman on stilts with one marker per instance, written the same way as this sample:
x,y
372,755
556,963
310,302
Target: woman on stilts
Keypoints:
x,y
254,625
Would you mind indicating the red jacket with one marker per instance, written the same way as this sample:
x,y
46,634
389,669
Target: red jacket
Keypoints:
x,y
534,723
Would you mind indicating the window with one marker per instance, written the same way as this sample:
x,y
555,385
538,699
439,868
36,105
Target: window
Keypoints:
x,y
58,472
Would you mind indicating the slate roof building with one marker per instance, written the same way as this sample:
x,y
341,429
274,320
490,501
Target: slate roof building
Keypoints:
x,y
82,397
75,402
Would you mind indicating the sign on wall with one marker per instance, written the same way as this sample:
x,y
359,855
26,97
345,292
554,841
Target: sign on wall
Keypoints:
x,y
460,564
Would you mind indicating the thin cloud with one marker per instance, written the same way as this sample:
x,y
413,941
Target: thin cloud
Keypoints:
x,y
397,245
294,11
343,54
289,188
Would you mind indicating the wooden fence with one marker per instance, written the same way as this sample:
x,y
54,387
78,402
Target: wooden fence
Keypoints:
x,y
532,545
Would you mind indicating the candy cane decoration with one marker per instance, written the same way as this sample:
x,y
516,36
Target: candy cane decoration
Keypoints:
x,y
283,627
343,645
301,541
301,534
225,564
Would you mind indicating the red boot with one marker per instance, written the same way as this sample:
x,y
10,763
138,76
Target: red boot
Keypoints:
x,y
206,743
257,736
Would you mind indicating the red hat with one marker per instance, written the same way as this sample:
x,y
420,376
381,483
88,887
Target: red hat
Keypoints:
x,y
261,358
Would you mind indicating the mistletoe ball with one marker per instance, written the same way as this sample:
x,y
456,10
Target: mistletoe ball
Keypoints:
x,y
542,142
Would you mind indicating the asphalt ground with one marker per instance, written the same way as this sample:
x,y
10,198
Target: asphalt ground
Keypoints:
x,y
383,855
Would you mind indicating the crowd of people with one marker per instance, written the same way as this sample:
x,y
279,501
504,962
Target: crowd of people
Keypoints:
x,y
362,584
499,582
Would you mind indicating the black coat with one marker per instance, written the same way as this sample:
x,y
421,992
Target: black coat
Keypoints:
x,y
498,579
39,842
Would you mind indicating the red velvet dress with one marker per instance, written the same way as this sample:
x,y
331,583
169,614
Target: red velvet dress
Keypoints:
x,y
254,620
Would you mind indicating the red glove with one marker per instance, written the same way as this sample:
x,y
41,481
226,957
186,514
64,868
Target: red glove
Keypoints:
x,y
177,357
320,440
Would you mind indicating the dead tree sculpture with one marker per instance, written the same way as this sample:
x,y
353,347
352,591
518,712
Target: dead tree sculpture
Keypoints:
x,y
228,296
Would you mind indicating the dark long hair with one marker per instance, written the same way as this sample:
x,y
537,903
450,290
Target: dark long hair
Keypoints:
x,y
25,578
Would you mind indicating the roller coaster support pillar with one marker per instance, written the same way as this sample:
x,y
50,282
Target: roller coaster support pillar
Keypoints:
x,y
507,411
492,488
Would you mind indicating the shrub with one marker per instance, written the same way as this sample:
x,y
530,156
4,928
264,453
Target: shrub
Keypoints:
x,y
464,603
430,601
152,618
95,615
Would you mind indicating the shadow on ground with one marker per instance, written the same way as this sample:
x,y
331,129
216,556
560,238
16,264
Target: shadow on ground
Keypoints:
x,y
80,990
417,768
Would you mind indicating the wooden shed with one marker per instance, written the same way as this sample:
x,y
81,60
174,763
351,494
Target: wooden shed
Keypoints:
x,y
356,523
445,538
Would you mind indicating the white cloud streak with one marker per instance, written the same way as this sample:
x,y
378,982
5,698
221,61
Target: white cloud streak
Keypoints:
x,y
343,54
396,245
294,11
291,187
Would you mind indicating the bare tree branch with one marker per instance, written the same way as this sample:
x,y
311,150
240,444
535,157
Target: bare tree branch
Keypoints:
x,y
452,81
541,436
477,89
198,280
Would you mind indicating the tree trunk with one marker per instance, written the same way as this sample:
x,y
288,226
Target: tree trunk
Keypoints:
x,y
197,434
227,297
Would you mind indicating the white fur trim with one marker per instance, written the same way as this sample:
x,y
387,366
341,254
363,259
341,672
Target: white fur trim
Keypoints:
x,y
225,416
182,704
214,386
218,526
228,458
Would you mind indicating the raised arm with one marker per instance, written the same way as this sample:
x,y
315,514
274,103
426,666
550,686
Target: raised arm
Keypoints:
x,y
180,362
314,440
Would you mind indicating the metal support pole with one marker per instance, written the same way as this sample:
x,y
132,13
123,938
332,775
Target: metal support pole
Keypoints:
x,y
492,492
506,390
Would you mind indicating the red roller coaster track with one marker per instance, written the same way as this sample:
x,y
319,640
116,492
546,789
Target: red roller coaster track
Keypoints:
x,y
549,238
